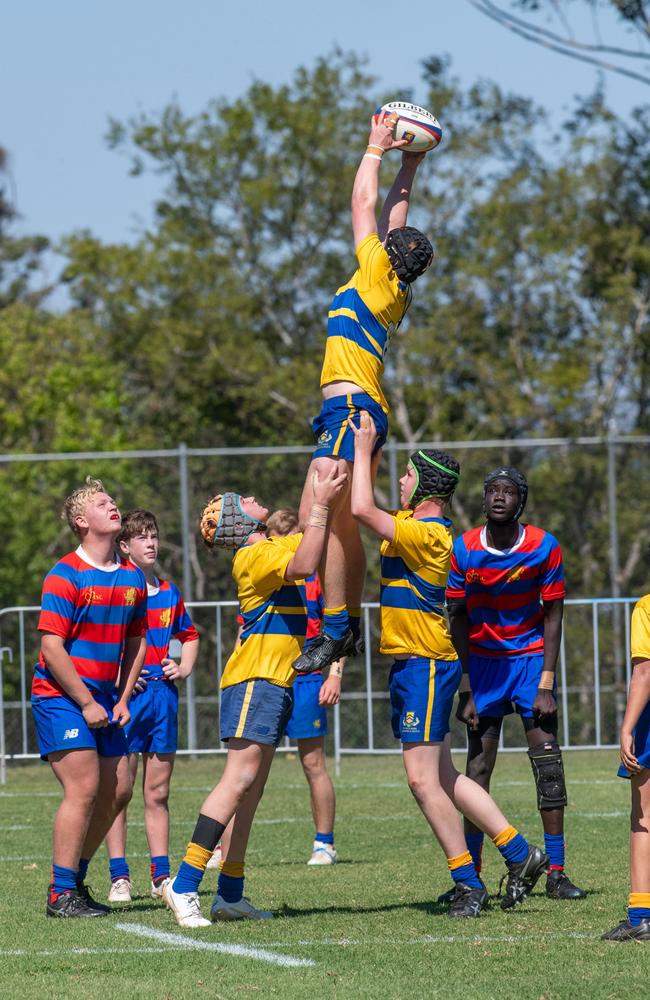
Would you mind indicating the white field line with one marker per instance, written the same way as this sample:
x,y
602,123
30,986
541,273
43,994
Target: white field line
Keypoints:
x,y
48,953
194,944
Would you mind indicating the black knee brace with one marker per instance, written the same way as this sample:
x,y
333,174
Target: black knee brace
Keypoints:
x,y
548,770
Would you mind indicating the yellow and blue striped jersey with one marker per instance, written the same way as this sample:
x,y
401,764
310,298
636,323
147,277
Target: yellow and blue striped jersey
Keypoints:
x,y
363,315
414,570
274,613
640,630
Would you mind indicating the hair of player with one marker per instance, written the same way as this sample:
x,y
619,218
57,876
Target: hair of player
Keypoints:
x,y
137,522
75,505
283,522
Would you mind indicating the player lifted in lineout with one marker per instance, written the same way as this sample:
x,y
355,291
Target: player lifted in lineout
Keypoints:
x,y
256,698
505,598
153,729
364,314
92,623
415,556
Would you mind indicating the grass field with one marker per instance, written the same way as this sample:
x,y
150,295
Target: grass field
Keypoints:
x,y
369,927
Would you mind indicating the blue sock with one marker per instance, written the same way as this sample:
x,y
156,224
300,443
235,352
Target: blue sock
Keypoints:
x,y
230,888
159,867
336,621
511,844
475,848
554,847
83,869
188,878
324,838
638,907
63,879
355,622
118,868
462,870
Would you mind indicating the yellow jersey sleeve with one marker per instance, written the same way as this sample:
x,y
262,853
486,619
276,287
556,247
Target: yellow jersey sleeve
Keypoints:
x,y
374,263
422,544
260,569
640,630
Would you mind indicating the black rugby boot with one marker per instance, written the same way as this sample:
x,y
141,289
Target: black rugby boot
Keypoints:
x,y
468,902
523,876
84,892
560,886
323,651
625,931
448,896
70,904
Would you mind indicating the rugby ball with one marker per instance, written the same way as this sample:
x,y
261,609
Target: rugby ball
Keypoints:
x,y
417,125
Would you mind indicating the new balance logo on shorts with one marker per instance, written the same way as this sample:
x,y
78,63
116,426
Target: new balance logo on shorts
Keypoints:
x,y
70,734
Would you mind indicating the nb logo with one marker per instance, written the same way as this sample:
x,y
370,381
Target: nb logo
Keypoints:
x,y
70,734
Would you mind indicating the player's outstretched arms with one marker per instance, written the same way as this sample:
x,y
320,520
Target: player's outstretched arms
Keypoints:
x,y
62,669
325,493
365,190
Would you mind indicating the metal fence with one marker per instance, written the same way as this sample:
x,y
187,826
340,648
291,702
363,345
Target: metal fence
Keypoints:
x,y
591,691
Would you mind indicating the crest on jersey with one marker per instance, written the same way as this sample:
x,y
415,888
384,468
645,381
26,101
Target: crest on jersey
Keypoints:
x,y
165,617
91,596
473,576
130,595
325,438
516,574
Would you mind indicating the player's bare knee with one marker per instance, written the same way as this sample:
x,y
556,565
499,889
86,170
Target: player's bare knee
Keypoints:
x,y
480,767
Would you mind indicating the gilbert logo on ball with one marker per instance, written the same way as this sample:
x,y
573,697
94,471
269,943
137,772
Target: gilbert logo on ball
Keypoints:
x,y
418,126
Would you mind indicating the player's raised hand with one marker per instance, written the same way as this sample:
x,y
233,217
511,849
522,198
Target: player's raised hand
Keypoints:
x,y
121,714
628,758
382,129
365,435
326,490
412,160
95,715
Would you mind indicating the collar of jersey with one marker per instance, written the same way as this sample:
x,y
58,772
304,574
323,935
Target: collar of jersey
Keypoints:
x,y
503,552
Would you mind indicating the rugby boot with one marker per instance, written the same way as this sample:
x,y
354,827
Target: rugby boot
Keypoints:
x,y
242,909
468,902
185,906
448,896
84,892
323,651
523,876
560,886
625,931
157,888
120,891
71,904
322,854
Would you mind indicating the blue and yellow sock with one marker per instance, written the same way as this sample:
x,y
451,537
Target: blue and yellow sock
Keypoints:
x,y
324,838
475,847
159,867
554,847
511,844
230,885
63,880
355,622
336,621
461,869
206,836
83,870
638,907
118,868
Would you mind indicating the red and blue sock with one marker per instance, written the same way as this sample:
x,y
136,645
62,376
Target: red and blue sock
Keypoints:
x,y
63,880
118,868
159,868
554,847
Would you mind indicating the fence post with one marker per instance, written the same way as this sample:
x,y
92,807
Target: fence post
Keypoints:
x,y
183,477
615,576
3,747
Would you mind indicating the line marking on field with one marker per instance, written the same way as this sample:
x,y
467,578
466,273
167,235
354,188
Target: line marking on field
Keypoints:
x,y
48,953
261,954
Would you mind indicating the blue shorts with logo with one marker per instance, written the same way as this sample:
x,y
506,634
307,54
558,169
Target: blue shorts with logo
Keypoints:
x,y
255,710
331,429
505,684
308,718
421,697
641,742
60,725
154,719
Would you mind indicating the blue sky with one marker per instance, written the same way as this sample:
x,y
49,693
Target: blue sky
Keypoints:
x,y
67,67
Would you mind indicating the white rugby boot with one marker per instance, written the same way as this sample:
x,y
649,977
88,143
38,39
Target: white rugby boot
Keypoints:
x,y
243,909
185,906
322,854
120,891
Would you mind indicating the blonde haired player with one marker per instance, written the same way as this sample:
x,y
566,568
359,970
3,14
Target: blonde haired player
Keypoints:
x,y
363,315
256,698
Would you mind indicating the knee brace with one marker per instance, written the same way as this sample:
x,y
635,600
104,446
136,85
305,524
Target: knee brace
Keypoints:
x,y
548,771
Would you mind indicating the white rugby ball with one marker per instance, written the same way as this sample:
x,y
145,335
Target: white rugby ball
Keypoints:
x,y
417,125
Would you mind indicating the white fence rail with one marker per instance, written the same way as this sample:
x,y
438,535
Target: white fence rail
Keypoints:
x,y
593,676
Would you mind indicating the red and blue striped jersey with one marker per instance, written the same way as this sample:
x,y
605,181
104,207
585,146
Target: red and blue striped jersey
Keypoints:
x,y
167,619
94,611
503,591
